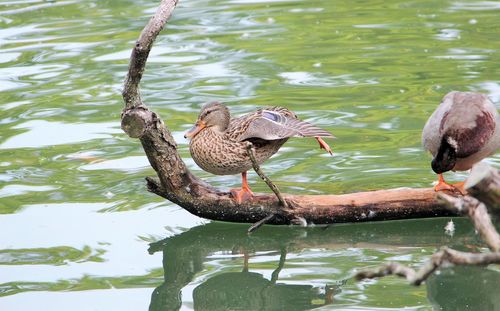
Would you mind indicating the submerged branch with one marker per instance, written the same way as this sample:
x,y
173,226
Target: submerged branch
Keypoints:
x,y
443,257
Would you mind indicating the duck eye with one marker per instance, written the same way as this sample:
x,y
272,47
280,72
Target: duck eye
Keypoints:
x,y
207,113
203,115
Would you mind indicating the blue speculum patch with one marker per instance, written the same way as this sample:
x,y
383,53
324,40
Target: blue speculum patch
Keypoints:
x,y
270,116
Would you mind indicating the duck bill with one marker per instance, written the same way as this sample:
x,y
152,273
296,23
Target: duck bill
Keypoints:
x,y
199,125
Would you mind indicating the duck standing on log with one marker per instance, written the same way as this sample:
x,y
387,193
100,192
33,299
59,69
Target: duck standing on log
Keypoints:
x,y
463,130
218,142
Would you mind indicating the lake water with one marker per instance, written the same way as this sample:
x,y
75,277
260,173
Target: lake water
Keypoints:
x,y
76,222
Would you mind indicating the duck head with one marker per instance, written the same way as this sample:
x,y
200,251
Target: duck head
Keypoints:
x,y
212,115
446,157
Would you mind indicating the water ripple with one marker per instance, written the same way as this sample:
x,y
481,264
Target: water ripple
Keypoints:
x,y
43,133
34,7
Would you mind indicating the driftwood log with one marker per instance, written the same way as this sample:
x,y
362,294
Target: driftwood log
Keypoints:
x,y
485,184
177,184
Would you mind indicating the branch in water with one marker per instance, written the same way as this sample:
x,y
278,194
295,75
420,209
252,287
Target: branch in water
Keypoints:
x,y
443,257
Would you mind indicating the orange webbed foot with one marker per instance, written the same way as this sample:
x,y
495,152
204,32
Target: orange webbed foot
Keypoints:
x,y
442,185
241,195
460,187
324,145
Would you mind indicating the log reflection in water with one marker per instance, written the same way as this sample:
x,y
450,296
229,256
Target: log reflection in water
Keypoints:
x,y
184,256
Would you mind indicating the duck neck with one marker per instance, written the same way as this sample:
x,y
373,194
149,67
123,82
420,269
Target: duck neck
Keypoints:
x,y
219,129
212,132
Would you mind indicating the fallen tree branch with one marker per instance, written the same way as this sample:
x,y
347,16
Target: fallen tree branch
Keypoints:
x,y
177,184
443,257
314,209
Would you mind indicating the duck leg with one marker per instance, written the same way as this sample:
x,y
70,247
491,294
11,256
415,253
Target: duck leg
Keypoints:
x,y
245,192
324,145
443,185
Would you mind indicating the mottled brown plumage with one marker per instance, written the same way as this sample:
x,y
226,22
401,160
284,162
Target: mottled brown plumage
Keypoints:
x,y
218,142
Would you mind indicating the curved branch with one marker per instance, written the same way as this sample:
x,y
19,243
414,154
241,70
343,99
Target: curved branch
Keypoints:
x,y
140,53
177,184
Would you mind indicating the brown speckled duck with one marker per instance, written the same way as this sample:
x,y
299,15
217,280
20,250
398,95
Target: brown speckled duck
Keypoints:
x,y
218,141
464,129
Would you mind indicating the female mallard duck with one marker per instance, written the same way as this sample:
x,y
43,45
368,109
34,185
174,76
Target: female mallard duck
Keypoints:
x,y
464,129
218,142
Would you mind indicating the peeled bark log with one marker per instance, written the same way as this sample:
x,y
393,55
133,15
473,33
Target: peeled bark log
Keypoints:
x,y
311,209
177,184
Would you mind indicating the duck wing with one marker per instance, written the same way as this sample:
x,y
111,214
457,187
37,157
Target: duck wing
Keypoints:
x,y
279,123
469,124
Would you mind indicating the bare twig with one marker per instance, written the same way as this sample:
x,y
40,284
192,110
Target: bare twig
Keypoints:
x,y
443,257
478,214
257,169
261,222
391,268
